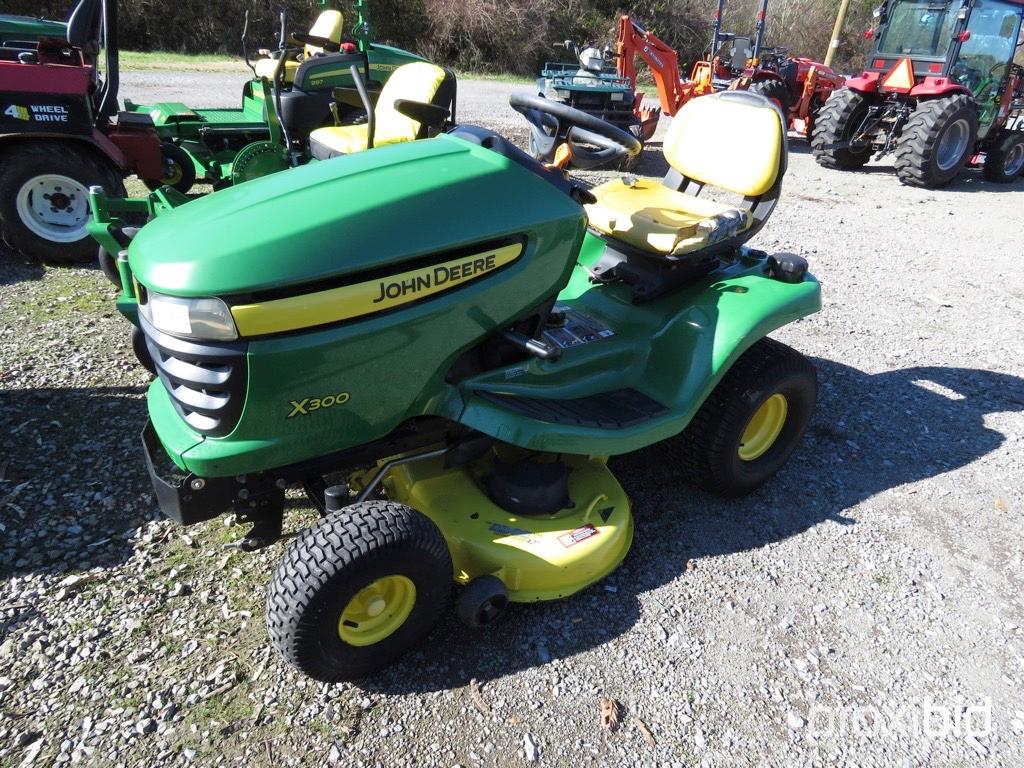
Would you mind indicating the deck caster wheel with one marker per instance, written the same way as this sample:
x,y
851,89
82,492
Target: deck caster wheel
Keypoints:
x,y
482,601
358,588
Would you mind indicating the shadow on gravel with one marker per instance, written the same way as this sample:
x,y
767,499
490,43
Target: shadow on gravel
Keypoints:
x,y
71,478
871,432
972,181
15,268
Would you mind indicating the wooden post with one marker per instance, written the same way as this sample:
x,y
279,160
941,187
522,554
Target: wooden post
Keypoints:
x,y
837,30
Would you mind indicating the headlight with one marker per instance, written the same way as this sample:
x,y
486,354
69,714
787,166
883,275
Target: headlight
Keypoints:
x,y
197,318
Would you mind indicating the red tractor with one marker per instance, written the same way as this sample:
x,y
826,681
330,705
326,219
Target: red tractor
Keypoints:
x,y
798,85
942,91
60,134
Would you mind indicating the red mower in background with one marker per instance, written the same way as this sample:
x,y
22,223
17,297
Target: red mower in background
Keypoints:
x,y
800,86
60,134
944,89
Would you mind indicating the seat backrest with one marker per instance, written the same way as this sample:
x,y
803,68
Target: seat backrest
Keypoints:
x,y
329,24
733,140
742,48
419,81
83,23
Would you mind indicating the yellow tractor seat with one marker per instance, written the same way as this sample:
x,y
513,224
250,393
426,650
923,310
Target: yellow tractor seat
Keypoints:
x,y
419,82
329,24
651,217
733,141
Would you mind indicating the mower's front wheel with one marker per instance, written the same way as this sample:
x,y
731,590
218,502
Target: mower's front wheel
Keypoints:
x,y
357,589
753,420
44,198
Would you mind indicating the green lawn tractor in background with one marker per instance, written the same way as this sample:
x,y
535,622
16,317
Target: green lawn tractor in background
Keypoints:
x,y
225,146
445,355
418,100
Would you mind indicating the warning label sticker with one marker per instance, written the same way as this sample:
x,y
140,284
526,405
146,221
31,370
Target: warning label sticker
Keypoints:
x,y
576,330
574,537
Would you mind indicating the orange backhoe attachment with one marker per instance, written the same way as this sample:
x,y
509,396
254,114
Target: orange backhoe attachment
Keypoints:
x,y
663,61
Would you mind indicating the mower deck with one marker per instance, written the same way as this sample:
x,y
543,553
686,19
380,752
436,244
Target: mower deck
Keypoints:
x,y
537,557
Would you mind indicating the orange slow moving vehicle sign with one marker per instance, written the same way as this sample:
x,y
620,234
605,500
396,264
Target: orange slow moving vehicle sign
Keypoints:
x,y
900,78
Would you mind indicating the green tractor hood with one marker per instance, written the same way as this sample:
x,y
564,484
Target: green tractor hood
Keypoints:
x,y
347,215
29,28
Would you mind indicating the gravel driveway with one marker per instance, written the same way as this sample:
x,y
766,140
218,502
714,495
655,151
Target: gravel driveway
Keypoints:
x,y
863,609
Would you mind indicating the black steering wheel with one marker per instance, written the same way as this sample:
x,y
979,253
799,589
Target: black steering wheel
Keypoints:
x,y
553,123
320,42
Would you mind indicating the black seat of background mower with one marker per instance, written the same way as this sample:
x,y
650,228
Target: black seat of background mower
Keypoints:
x,y
83,24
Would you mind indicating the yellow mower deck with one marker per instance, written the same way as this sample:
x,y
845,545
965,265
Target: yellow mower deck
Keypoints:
x,y
543,557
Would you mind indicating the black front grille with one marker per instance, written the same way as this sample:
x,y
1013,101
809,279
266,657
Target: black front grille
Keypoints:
x,y
206,381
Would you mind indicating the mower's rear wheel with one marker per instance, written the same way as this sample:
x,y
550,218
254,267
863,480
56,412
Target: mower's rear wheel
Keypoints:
x,y
1004,162
180,170
752,422
44,198
358,588
834,126
937,141
775,91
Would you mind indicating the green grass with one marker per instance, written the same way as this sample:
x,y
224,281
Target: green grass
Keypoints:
x,y
218,62
181,62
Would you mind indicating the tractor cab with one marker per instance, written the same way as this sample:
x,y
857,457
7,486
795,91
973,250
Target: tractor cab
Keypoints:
x,y
970,45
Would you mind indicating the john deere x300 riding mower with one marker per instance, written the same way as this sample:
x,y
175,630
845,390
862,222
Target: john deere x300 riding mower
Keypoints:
x,y
445,357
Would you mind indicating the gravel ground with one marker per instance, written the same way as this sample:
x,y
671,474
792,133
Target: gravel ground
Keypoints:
x,y
863,609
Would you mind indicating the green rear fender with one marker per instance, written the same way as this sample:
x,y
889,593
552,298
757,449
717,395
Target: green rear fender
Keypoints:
x,y
674,350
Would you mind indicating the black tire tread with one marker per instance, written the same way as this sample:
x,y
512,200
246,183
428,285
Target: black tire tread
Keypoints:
x,y
992,169
831,126
704,442
56,155
357,532
772,89
918,141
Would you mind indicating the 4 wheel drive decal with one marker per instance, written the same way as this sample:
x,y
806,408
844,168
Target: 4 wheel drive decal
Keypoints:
x,y
40,113
371,296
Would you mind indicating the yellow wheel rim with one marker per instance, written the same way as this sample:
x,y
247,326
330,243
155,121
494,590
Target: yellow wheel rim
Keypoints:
x,y
377,611
174,174
764,427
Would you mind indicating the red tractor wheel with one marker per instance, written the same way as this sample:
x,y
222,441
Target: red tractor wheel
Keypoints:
x,y
775,91
1004,161
937,141
44,198
833,128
